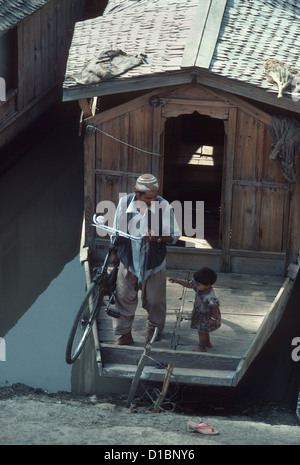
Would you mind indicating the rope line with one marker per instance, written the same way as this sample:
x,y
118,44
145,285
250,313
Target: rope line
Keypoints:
x,y
91,129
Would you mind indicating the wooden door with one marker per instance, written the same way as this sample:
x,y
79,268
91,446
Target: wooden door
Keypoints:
x,y
259,195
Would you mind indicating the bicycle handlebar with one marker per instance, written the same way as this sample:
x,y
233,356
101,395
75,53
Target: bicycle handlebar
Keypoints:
x,y
98,223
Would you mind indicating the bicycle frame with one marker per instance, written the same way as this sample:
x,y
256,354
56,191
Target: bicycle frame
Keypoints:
x,y
108,281
101,270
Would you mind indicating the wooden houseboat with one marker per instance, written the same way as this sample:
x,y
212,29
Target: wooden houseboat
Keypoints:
x,y
35,37
196,110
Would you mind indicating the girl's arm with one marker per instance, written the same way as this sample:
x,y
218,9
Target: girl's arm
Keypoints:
x,y
182,282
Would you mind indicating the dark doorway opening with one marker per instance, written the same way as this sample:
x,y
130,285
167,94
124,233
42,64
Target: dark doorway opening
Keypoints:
x,y
193,168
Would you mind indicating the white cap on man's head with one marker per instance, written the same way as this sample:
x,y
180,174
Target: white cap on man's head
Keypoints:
x,y
146,182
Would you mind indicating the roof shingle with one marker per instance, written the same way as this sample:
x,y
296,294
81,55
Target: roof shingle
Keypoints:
x,y
14,11
250,31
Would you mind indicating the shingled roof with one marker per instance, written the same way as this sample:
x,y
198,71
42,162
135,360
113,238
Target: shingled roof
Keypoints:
x,y
14,11
255,30
207,38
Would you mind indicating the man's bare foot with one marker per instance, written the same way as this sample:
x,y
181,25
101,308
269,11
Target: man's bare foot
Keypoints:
x,y
124,340
199,349
149,335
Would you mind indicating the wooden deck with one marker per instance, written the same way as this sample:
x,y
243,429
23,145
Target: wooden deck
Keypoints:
x,y
251,307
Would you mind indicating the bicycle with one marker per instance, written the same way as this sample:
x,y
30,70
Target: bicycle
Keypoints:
x,y
103,285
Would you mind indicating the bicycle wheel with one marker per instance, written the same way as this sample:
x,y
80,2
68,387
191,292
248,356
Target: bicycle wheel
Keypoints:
x,y
83,322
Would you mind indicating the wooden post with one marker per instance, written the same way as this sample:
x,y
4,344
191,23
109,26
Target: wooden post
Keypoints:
x,y
140,368
230,131
85,107
164,391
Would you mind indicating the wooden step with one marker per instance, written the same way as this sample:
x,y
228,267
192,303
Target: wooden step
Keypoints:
x,y
161,357
188,376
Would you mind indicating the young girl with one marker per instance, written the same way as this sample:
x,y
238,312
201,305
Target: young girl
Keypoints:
x,y
206,316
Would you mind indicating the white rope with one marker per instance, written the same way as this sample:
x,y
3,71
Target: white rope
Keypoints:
x,y
91,129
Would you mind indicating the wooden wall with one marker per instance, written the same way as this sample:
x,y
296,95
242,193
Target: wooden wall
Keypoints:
x,y
260,201
260,197
112,167
259,213
42,41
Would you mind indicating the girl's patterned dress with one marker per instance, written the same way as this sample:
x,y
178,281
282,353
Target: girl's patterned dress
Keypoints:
x,y
202,311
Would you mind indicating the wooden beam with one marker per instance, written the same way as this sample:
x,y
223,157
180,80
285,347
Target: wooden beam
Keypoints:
x,y
246,90
126,107
89,188
225,221
140,367
119,86
172,110
129,355
196,33
85,107
262,255
117,173
205,103
205,77
94,106
266,184
210,33
187,376
204,34
267,327
164,390
251,110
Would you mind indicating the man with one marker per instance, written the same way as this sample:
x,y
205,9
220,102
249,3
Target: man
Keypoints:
x,y
146,215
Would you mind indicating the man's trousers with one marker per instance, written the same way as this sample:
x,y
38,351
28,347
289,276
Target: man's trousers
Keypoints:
x,y
153,300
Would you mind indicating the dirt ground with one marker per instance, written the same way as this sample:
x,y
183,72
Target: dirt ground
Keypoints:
x,y
34,417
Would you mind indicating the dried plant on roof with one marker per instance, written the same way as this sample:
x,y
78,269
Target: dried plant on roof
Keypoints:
x,y
286,146
277,72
